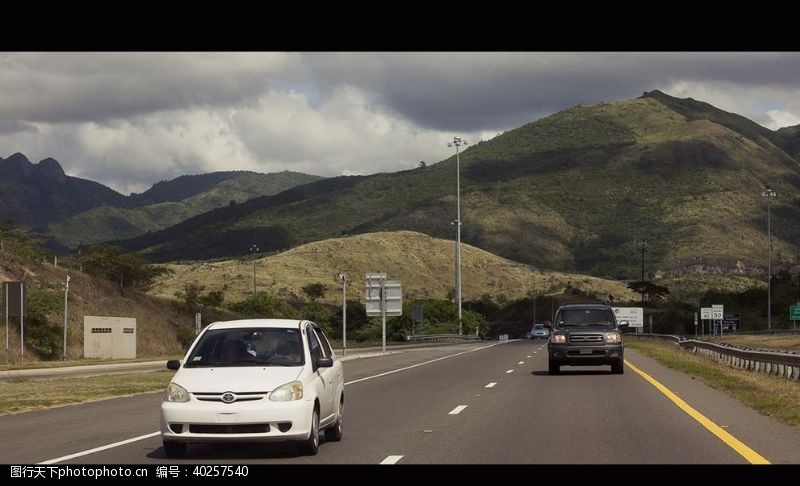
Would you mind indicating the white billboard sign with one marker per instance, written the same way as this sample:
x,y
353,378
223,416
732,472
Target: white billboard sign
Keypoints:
x,y
705,313
716,312
634,315
393,298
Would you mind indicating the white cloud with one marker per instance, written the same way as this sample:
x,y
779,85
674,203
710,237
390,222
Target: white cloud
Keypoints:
x,y
131,119
780,119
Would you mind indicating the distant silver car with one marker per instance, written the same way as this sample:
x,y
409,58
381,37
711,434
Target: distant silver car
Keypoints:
x,y
539,331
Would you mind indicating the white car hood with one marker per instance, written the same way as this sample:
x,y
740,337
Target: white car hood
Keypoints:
x,y
239,379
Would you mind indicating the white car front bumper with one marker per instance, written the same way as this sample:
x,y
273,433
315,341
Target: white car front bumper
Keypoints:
x,y
251,421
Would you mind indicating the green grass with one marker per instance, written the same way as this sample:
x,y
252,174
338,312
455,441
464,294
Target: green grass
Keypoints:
x,y
24,396
771,395
80,362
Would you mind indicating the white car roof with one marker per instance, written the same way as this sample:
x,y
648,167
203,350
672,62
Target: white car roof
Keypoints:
x,y
266,323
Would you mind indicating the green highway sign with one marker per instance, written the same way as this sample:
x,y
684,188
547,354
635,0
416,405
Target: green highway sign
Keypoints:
x,y
794,312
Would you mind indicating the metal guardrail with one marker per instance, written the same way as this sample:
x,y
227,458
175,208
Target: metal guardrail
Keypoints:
x,y
769,362
438,338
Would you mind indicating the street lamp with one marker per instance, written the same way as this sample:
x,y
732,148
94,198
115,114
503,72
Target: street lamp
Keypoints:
x,y
254,251
457,142
642,243
342,279
769,194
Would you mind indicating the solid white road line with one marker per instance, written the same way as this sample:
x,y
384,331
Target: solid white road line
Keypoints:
x,y
102,448
391,459
509,371
490,385
457,410
147,436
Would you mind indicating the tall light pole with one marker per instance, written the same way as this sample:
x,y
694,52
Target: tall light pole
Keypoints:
x,y
66,293
254,251
342,279
642,243
457,142
769,194
533,295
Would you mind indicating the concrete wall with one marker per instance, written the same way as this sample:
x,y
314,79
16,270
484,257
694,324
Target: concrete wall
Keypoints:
x,y
109,337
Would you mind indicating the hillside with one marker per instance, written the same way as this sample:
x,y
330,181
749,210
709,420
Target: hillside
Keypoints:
x,y
425,265
38,194
573,191
166,205
157,319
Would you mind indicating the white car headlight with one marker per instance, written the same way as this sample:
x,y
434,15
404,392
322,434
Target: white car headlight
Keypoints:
x,y
176,394
613,337
288,392
558,338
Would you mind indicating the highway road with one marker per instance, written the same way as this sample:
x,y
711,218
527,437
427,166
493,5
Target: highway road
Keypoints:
x,y
481,403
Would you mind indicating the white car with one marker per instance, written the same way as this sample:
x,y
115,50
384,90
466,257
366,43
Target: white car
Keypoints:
x,y
257,380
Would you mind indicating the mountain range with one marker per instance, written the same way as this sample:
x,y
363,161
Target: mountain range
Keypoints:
x,y
573,191
76,211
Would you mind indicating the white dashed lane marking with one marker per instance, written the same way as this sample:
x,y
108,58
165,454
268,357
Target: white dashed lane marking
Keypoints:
x,y
457,410
391,459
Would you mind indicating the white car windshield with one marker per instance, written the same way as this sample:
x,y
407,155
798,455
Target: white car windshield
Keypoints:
x,y
248,347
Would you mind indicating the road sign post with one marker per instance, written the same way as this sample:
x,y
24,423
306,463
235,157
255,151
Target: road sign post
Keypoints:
x,y
695,323
794,314
384,298
717,314
705,315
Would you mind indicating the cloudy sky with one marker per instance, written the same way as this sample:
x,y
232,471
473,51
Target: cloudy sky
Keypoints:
x,y
131,119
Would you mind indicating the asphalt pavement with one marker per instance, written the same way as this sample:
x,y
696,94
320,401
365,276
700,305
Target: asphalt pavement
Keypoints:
x,y
478,403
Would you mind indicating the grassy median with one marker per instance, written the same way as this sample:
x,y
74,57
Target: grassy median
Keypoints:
x,y
771,395
24,396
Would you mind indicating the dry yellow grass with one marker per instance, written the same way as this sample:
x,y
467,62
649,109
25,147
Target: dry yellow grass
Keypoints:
x,y
156,318
425,266
779,342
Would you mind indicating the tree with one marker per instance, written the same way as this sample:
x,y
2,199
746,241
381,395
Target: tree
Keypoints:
x,y
131,270
422,164
651,290
315,291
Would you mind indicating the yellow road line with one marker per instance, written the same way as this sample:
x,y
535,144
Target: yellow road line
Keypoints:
x,y
743,450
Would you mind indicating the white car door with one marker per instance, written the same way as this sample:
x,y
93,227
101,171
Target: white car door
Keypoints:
x,y
320,377
334,375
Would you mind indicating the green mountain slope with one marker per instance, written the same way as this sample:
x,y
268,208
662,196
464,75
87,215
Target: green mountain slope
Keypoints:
x,y
573,191
109,223
37,194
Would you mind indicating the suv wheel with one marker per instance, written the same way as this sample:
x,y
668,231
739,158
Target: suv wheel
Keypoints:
x,y
617,367
555,368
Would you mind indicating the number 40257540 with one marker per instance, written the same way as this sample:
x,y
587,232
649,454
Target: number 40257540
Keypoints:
x,y
221,471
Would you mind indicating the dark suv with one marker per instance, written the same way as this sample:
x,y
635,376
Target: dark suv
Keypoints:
x,y
585,335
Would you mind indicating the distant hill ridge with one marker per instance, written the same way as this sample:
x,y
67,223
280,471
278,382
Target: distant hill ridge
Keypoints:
x,y
573,191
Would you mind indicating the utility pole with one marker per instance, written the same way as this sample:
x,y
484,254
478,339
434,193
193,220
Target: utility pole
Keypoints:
x,y
254,251
457,142
533,295
769,194
342,278
642,243
66,294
